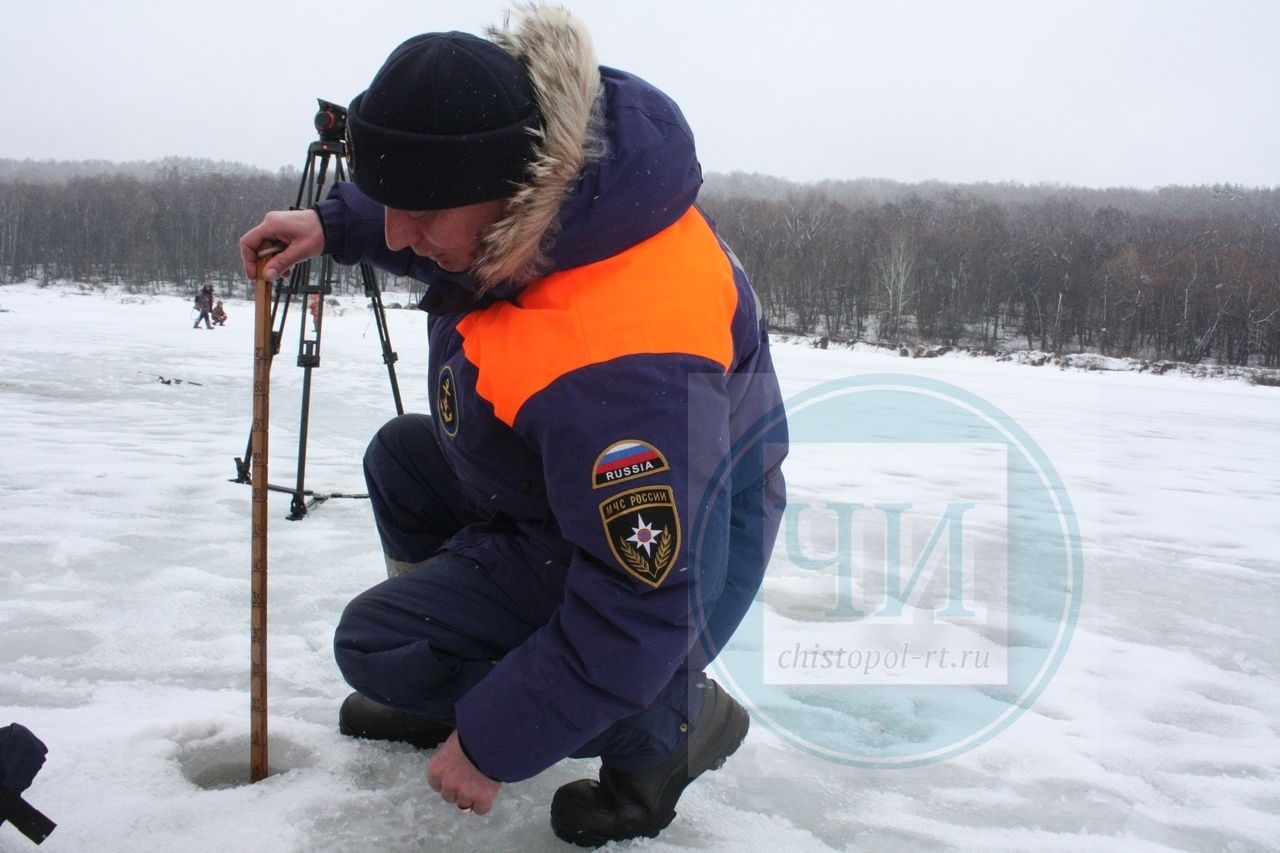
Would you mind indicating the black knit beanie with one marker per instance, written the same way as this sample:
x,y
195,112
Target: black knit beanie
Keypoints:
x,y
445,123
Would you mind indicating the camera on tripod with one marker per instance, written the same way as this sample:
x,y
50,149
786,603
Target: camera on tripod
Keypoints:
x,y
331,121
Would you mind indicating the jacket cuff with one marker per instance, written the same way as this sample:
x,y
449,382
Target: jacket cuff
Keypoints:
x,y
462,746
479,752
330,211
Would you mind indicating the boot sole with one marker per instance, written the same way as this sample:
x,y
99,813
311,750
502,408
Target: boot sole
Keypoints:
x,y
590,839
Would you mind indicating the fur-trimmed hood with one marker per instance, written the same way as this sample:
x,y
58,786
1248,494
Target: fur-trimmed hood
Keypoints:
x,y
614,161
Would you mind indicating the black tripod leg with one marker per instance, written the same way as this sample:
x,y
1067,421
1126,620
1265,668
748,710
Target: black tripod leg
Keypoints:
x,y
298,506
389,357
308,359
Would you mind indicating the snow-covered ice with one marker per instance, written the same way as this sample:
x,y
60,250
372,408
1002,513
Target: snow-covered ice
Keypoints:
x,y
124,574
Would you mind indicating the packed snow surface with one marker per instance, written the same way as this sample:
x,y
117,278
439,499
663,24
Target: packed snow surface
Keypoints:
x,y
124,611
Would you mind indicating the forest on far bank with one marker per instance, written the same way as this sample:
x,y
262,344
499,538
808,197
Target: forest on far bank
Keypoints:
x,y
1180,273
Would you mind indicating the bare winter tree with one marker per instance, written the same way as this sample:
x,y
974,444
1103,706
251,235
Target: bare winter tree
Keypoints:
x,y
894,268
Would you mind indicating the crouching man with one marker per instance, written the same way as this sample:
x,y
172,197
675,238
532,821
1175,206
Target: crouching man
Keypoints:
x,y
584,518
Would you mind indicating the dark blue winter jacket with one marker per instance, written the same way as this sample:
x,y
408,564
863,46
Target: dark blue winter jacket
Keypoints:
x,y
619,417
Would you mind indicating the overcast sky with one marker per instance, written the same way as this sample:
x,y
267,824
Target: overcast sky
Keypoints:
x,y
1122,92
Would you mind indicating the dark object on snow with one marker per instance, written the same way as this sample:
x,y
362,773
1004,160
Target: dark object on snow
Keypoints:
x,y
21,757
165,380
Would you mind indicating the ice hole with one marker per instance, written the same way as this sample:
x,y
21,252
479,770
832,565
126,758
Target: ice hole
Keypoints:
x,y
215,764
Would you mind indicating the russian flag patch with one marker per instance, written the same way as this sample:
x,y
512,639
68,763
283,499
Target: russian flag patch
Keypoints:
x,y
627,460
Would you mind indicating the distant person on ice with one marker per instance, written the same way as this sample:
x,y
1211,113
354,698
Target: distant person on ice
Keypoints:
x,y
567,543
204,304
315,308
219,314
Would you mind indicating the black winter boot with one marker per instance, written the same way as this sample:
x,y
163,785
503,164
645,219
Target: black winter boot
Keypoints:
x,y
362,717
626,805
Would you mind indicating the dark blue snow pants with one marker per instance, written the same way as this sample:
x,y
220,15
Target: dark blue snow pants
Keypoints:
x,y
421,640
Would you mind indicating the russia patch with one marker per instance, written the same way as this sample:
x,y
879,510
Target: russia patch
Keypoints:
x,y
447,402
626,460
643,529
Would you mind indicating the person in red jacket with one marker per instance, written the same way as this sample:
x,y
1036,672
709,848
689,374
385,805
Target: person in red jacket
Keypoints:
x,y
585,517
315,307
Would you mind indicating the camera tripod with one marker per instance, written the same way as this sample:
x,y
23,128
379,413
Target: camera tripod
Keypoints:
x,y
330,122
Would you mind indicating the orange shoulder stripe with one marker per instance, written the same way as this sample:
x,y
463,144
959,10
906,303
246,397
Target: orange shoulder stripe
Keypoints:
x,y
671,293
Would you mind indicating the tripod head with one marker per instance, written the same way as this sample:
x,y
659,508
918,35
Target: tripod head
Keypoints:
x,y
331,124
331,121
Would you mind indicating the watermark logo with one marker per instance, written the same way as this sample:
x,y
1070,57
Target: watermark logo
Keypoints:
x,y
925,579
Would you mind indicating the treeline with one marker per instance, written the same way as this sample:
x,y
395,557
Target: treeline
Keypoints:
x,y
152,226
1179,273
1186,273
174,224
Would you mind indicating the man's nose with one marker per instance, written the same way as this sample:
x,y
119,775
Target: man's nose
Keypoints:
x,y
399,229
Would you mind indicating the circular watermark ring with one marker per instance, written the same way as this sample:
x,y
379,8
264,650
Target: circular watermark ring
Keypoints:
x,y
926,580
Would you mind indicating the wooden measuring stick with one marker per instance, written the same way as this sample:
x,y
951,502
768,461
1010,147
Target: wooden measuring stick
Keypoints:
x,y
258,556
